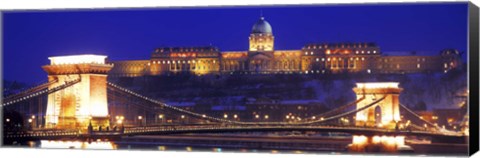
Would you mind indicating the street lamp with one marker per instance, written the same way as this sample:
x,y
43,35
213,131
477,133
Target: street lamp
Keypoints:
x,y
7,120
225,116
235,116
257,116
266,116
140,120
160,116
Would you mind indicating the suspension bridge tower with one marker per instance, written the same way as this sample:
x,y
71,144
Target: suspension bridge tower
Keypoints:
x,y
385,113
83,97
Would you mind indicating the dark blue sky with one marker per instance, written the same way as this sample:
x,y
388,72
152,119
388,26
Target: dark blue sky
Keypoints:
x,y
29,38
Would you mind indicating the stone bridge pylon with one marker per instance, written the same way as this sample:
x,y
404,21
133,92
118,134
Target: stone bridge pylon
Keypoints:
x,y
84,100
385,113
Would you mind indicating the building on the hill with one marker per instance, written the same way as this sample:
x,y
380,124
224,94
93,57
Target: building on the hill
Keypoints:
x,y
262,58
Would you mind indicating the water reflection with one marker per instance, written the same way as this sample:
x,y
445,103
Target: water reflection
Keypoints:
x,y
76,144
56,144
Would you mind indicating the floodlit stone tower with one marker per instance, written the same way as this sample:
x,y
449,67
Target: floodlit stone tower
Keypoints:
x,y
383,114
85,101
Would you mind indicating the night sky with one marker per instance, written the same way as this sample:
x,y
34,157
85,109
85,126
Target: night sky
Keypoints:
x,y
29,38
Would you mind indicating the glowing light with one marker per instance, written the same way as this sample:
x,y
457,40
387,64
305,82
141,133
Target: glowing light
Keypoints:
x,y
29,120
78,59
376,139
75,145
378,85
235,116
359,140
160,116
266,116
140,117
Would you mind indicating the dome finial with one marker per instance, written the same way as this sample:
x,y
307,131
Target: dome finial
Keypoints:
x,y
261,14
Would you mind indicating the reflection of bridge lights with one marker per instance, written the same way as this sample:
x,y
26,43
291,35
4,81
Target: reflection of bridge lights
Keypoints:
x,y
359,140
376,139
162,148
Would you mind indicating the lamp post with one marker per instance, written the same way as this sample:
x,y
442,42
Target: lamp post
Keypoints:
x,y
140,120
161,118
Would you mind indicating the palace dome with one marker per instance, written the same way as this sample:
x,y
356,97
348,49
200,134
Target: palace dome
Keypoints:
x,y
262,26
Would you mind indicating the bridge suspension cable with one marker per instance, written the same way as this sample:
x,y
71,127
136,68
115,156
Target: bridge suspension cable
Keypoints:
x,y
417,116
341,108
346,113
38,92
29,91
203,116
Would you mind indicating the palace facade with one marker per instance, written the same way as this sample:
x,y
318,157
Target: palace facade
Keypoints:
x,y
262,58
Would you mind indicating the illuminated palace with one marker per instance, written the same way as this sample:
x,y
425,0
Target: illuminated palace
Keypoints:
x,y
262,58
